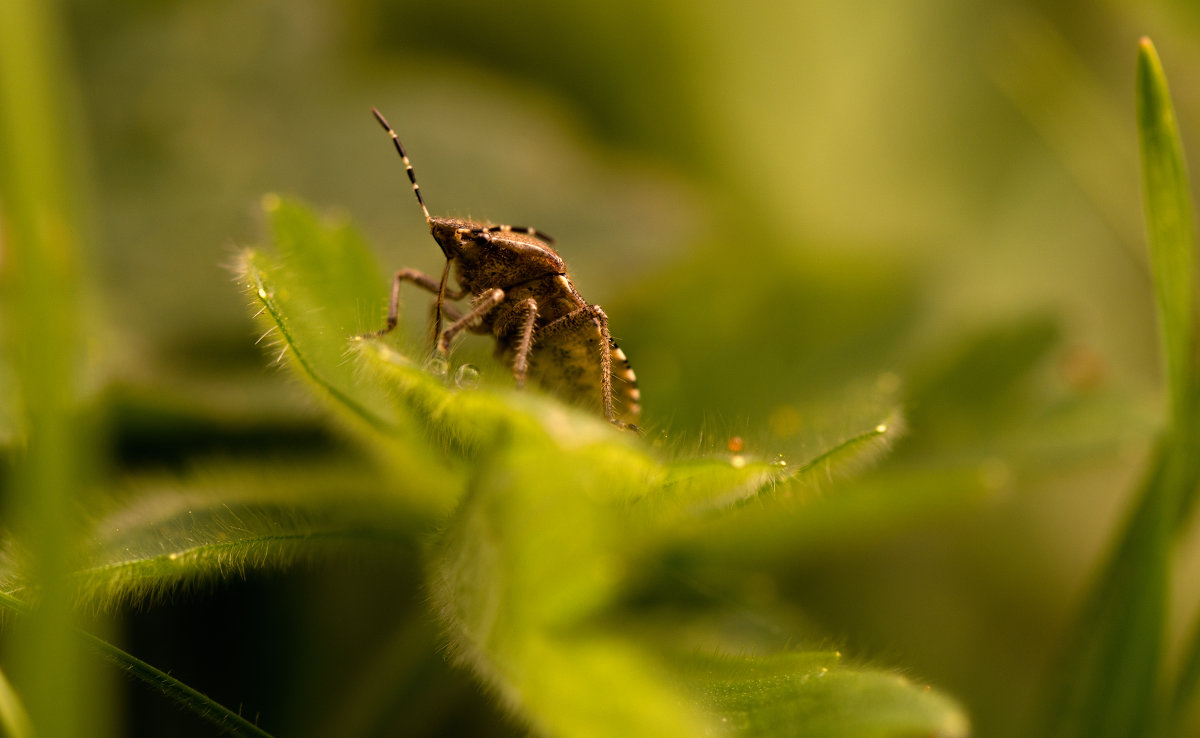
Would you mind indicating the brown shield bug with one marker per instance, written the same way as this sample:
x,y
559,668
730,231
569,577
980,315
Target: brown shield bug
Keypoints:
x,y
521,294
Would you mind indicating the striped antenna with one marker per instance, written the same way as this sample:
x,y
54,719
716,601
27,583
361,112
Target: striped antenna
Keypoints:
x,y
407,164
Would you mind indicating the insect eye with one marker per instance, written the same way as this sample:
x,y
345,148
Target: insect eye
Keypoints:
x,y
466,237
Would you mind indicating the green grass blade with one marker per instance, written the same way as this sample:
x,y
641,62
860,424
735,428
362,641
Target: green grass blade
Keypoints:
x,y
1110,676
1112,673
40,269
1170,227
228,721
1187,684
1170,231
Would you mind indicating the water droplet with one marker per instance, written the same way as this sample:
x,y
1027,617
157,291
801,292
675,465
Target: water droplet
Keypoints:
x,y
737,461
467,377
881,428
262,293
438,367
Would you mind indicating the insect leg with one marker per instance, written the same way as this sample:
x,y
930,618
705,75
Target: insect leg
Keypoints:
x,y
488,303
521,362
420,279
581,316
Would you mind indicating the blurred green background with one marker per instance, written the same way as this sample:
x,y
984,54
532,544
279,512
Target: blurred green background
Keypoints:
x,y
783,207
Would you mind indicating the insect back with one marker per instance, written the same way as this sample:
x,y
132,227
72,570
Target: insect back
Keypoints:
x,y
516,289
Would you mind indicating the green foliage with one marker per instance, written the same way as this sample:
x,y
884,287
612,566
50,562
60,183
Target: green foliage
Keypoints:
x,y
574,567
14,720
1113,671
559,518
40,227
866,301
227,721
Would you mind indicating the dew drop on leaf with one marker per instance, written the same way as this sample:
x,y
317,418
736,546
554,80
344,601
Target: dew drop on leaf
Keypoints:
x,y
438,367
467,377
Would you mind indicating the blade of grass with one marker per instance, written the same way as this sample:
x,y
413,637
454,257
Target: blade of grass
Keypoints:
x,y
191,699
41,267
1112,670
1170,231
1170,226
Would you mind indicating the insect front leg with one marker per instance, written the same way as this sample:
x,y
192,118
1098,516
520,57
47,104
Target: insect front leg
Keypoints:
x,y
576,319
529,307
420,279
482,308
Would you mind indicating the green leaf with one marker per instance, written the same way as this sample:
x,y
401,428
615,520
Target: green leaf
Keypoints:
x,y
813,695
530,579
559,519
163,534
316,293
803,522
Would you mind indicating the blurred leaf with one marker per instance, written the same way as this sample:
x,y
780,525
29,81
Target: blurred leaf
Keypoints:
x,y
800,522
525,576
972,390
165,535
789,330
812,695
226,720
1053,86
14,721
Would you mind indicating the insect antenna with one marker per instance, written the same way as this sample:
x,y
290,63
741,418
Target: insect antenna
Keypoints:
x,y
412,177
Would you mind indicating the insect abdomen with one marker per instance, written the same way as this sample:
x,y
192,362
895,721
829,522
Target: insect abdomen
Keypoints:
x,y
568,366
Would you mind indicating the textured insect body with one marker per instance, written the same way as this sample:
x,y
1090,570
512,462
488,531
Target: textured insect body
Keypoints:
x,y
521,294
